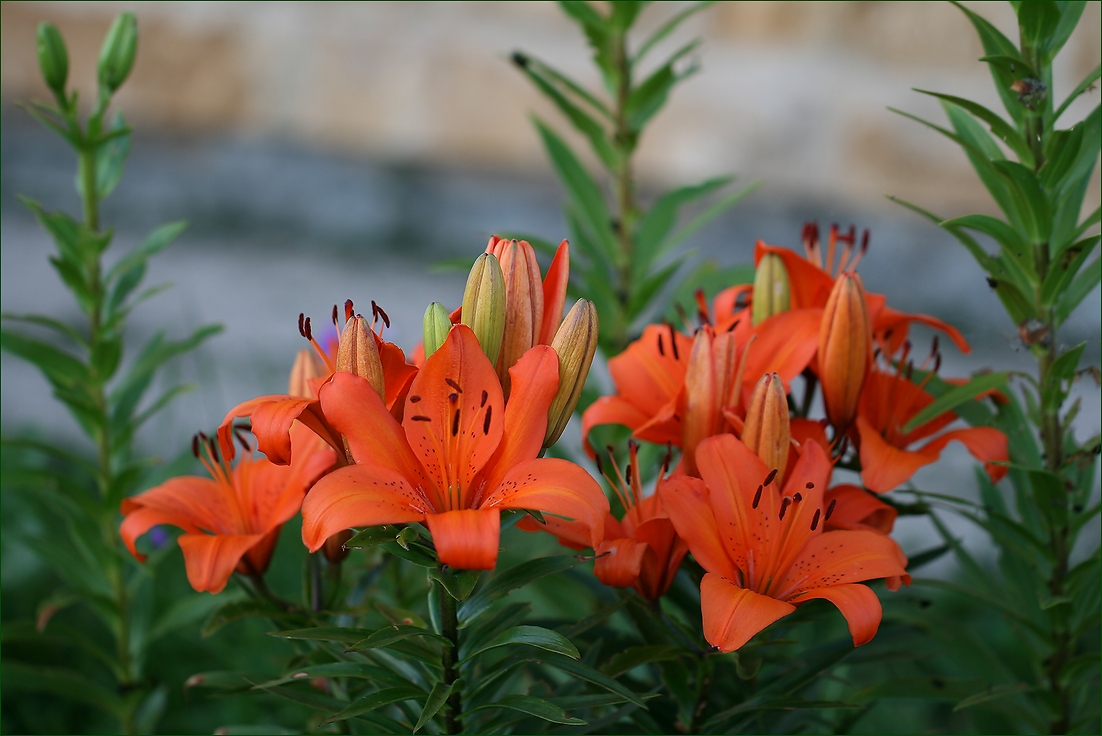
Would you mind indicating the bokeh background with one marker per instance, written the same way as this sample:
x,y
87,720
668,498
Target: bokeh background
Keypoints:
x,y
324,151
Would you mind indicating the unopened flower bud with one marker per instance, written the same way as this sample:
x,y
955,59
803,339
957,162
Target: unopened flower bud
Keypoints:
x,y
523,302
767,432
574,343
358,353
116,56
845,349
772,293
307,368
435,327
484,304
53,58
334,549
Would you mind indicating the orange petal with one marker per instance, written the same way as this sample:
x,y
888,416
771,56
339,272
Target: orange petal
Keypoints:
x,y
466,539
374,437
610,410
733,474
857,603
884,466
454,416
618,562
838,557
650,372
556,487
190,502
856,508
535,379
211,559
897,323
140,520
686,501
397,373
784,344
359,495
986,444
271,418
733,615
554,292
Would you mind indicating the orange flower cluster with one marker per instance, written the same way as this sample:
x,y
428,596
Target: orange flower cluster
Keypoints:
x,y
751,496
364,437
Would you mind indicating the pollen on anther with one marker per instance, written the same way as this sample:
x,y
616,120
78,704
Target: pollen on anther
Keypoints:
x,y
453,384
349,309
661,347
455,423
830,509
809,485
769,478
306,331
485,398
420,418
486,421
757,497
785,503
797,496
815,519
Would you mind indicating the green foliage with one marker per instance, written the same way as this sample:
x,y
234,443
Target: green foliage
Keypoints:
x,y
1045,266
107,397
623,253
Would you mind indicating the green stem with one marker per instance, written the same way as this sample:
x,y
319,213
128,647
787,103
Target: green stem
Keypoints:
x,y
449,623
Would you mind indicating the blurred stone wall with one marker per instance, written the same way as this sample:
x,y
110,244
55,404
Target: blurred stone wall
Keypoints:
x,y
794,93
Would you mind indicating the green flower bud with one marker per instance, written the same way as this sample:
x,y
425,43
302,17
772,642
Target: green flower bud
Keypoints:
x,y
116,57
772,293
53,59
575,342
436,327
484,304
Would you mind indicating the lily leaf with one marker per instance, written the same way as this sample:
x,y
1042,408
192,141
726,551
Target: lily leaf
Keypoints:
x,y
955,397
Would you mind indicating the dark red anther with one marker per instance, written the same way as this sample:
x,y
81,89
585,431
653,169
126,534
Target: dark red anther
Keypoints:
x,y
301,330
486,421
382,314
809,485
661,347
864,241
797,497
212,449
455,423
485,398
600,465
757,497
937,363
769,478
673,341
453,397
830,509
242,439
335,315
702,307
195,445
420,418
349,309
627,474
785,503
306,331
815,519
453,384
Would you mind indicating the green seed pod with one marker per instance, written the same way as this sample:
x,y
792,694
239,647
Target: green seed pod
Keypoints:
x,y
116,56
436,327
53,59
484,304
575,342
772,294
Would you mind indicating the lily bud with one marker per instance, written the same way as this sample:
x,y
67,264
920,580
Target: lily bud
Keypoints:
x,y
523,302
307,367
358,353
116,57
767,432
484,304
435,327
53,58
772,293
574,343
845,349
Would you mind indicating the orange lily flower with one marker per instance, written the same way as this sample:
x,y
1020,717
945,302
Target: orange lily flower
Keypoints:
x,y
457,458
887,403
272,416
765,550
811,278
856,508
231,521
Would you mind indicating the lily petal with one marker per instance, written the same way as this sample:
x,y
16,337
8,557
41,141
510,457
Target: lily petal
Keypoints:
x,y
859,605
359,495
211,559
466,539
733,615
835,558
987,444
885,466
686,501
619,561
554,292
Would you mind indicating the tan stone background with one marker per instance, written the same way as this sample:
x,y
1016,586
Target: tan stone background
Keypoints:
x,y
794,93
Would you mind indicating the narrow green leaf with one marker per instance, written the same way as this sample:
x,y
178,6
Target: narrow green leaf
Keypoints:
x,y
985,261
1030,202
63,683
593,131
1002,233
1087,83
515,577
534,636
634,656
458,583
386,636
236,610
662,216
710,214
187,611
435,701
668,27
372,536
354,670
649,97
1003,130
955,397
992,693
1081,286
583,671
344,634
996,44
532,706
60,328
110,157
1067,268
374,701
